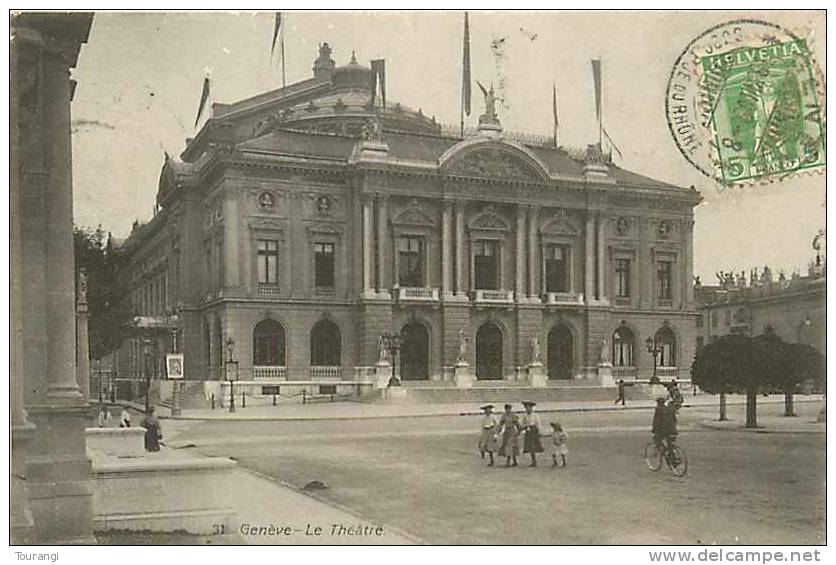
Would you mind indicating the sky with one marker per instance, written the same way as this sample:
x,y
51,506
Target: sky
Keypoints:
x,y
140,76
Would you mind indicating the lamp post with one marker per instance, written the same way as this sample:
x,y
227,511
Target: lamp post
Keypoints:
x,y
231,364
146,350
175,404
654,348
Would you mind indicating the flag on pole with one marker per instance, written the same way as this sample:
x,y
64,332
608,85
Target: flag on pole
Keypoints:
x,y
379,78
554,111
466,67
277,27
596,80
204,96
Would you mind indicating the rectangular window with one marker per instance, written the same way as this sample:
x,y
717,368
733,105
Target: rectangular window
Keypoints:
x,y
728,317
622,278
557,268
665,278
324,265
220,266
269,390
208,278
486,265
411,261
268,261
713,318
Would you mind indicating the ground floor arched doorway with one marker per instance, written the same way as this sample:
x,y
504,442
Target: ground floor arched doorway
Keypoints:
x,y
489,352
415,351
561,353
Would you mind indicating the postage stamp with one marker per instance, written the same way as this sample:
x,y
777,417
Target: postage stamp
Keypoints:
x,y
745,104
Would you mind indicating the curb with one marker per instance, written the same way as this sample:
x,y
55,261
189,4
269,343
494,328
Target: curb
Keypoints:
x,y
716,425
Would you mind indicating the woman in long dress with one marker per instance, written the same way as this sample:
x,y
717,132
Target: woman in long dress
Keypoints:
x,y
508,428
488,429
153,433
531,424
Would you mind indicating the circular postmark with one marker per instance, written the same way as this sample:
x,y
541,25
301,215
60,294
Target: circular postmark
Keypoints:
x,y
744,103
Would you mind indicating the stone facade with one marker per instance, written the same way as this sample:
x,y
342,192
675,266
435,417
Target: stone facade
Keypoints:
x,y
341,220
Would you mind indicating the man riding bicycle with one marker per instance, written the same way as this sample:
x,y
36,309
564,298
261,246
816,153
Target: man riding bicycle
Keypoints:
x,y
664,426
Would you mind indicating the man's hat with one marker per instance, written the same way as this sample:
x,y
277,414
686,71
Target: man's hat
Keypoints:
x,y
486,407
528,403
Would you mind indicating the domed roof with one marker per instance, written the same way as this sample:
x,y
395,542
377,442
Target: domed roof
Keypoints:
x,y
353,75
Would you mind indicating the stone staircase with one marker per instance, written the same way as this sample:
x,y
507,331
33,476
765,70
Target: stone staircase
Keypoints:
x,y
437,393
191,396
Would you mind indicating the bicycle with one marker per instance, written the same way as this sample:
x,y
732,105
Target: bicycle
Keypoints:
x,y
674,456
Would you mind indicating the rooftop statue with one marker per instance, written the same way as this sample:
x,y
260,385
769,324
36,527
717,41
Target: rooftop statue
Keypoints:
x,y
490,105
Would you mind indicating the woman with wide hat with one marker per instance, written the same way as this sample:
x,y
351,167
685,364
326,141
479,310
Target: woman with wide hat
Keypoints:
x,y
508,428
530,423
487,438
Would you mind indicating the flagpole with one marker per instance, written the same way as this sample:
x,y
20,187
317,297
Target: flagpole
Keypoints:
x,y
284,80
601,109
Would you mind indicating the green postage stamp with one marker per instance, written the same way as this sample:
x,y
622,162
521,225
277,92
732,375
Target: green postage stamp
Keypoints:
x,y
764,110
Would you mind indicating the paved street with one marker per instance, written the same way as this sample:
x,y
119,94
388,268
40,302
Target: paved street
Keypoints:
x,y
423,476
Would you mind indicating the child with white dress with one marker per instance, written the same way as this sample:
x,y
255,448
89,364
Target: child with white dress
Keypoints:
x,y
559,437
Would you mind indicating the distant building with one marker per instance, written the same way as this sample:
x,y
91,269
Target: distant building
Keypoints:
x,y
794,308
306,221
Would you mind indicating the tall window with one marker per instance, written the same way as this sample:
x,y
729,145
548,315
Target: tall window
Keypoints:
x,y
557,268
268,344
486,265
622,347
665,278
268,261
667,345
220,264
411,261
208,278
622,278
324,266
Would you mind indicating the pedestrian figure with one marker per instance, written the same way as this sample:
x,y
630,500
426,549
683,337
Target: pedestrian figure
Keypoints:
x,y
153,433
559,437
620,392
104,417
125,419
531,425
509,428
488,438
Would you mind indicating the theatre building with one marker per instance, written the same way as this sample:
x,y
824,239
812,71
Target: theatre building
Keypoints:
x,y
307,221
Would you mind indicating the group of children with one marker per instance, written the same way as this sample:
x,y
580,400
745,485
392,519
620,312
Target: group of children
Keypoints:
x,y
501,435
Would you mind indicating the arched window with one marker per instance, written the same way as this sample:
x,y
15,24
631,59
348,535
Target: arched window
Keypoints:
x,y
622,347
326,345
268,344
666,342
489,352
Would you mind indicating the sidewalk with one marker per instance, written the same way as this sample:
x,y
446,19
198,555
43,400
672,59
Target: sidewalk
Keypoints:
x,y
363,410
769,422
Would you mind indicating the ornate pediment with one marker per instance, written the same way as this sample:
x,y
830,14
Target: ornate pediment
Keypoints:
x,y
488,219
266,224
494,163
413,215
560,224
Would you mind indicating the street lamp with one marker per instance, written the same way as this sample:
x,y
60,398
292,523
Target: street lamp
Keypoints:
x,y
175,405
231,371
654,348
146,350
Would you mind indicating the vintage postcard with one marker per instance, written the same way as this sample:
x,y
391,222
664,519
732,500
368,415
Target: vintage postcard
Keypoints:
x,y
419,277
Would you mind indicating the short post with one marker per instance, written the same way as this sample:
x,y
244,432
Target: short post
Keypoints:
x,y
213,401
274,399
243,399
303,396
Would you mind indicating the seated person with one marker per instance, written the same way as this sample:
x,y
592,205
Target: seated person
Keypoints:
x,y
664,425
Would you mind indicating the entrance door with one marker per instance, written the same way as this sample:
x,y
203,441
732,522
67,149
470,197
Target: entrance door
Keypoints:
x,y
489,352
560,352
414,352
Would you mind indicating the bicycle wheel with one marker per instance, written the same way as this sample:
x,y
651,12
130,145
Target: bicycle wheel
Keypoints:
x,y
678,461
653,456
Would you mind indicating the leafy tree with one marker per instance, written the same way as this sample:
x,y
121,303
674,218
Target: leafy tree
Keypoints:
x,y
108,312
720,364
804,365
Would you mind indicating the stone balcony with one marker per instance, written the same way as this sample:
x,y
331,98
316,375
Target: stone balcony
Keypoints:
x,y
482,296
326,373
563,299
269,373
416,294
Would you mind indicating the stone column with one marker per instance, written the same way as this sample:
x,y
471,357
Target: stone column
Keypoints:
x,y
446,248
533,270
461,291
688,260
520,254
383,283
589,258
601,260
367,245
58,239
